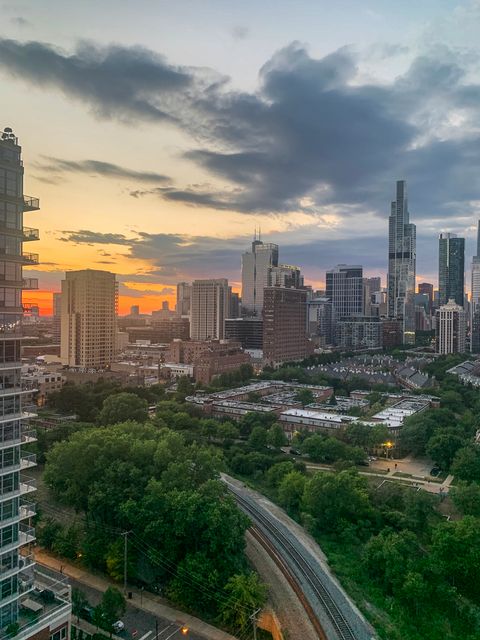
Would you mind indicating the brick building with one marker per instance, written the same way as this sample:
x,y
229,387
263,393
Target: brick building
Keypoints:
x,y
284,325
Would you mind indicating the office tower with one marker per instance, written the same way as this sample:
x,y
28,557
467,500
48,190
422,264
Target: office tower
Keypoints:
x,y
184,297
134,310
392,333
427,289
247,331
23,613
401,263
475,290
345,290
451,268
371,286
319,321
209,308
235,305
89,318
57,317
256,265
284,325
285,275
475,330
360,332
450,329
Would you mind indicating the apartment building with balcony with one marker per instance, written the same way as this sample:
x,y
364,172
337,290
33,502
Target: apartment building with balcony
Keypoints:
x,y
33,603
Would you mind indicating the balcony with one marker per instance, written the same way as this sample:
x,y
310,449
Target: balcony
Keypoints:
x,y
30,203
27,485
28,436
27,510
30,283
30,258
25,563
30,234
26,534
28,460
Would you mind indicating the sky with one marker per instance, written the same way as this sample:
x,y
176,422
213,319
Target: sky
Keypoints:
x,y
158,135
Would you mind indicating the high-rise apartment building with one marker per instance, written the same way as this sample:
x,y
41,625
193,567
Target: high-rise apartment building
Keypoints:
x,y
256,265
247,331
344,288
319,321
23,612
371,286
89,319
284,325
451,268
184,297
427,289
401,263
210,305
285,275
360,332
57,317
450,328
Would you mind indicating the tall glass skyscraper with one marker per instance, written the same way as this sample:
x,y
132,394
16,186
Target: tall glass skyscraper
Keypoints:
x,y
25,611
256,266
476,274
402,249
451,269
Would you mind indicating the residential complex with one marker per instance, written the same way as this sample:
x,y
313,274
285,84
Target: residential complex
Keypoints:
x,y
451,328
344,289
24,606
284,325
89,314
210,304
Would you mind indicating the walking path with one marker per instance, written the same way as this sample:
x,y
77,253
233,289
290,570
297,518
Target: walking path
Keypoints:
x,y
143,600
395,473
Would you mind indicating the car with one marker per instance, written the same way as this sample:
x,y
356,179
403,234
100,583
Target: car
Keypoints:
x,y
296,452
118,626
87,613
435,471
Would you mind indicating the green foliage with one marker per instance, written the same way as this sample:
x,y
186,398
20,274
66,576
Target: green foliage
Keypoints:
x,y
305,396
245,594
276,437
443,446
291,490
466,463
277,472
258,438
79,601
329,449
184,388
336,501
47,437
111,608
466,497
122,407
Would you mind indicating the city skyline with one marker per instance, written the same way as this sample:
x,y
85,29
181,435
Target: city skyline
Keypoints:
x,y
142,180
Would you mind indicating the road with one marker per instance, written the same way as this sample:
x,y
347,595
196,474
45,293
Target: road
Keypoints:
x,y
136,619
332,613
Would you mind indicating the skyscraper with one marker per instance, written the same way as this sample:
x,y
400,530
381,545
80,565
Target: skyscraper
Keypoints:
x,y
184,297
427,288
344,288
284,325
20,582
451,325
210,306
401,263
256,265
370,287
451,268
476,275
57,317
285,275
89,318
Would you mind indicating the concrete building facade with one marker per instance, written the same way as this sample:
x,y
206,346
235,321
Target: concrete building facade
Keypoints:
x,y
209,307
451,328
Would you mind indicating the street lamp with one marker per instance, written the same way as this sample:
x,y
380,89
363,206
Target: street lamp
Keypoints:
x,y
388,445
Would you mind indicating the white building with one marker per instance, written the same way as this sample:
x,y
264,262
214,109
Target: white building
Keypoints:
x,y
256,265
451,326
210,305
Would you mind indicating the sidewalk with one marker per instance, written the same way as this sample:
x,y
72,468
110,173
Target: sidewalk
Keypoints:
x,y
149,602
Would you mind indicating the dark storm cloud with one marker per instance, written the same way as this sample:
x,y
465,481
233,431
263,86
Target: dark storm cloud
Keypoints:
x,y
115,81
102,169
312,135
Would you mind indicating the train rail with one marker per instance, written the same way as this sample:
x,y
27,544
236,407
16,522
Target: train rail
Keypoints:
x,y
337,620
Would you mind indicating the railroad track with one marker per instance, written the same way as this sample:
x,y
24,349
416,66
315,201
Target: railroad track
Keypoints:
x,y
333,612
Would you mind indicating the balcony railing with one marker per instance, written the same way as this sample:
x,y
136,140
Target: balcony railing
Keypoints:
x,y
29,233
27,509
30,283
30,203
26,534
28,436
30,258
27,485
28,460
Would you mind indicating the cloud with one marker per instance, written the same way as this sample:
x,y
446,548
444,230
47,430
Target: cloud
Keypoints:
x,y
84,236
240,32
313,135
19,21
100,168
128,83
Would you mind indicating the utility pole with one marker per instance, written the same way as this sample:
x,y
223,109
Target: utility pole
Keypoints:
x,y
125,556
253,618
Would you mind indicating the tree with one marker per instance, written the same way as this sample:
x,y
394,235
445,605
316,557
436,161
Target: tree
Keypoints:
x,y
442,448
79,601
466,497
245,594
290,491
466,464
258,438
111,608
337,500
276,436
121,407
305,396
184,388
277,472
